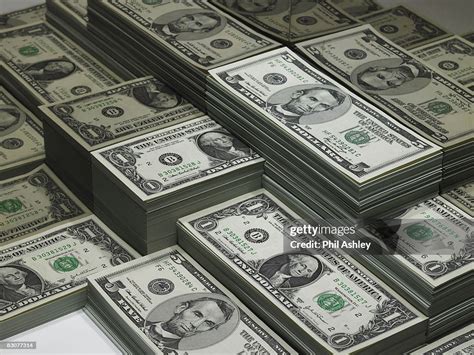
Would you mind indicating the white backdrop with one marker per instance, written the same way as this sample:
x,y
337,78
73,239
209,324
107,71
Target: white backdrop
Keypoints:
x,y
75,333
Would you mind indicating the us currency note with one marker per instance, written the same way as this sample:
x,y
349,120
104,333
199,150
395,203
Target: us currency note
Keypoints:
x,y
21,134
460,342
469,37
120,112
56,263
22,17
161,162
433,239
453,56
176,307
196,31
463,197
50,66
404,27
32,202
290,20
411,91
321,115
328,295
77,9
357,8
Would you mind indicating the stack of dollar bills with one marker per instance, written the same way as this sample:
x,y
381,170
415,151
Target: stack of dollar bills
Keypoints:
x,y
76,127
324,144
70,18
143,185
42,66
166,303
453,56
22,17
34,202
178,41
312,295
292,21
415,93
404,27
21,137
429,260
458,342
463,197
44,276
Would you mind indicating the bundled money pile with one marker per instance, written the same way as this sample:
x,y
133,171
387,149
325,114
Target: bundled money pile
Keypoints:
x,y
322,301
459,342
415,93
429,260
323,143
176,41
75,127
42,66
21,137
453,56
463,197
22,17
44,276
404,27
166,302
143,185
70,18
291,21
35,202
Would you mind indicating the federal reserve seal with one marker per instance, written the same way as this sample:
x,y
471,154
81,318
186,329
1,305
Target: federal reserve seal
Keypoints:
x,y
448,65
221,43
12,143
161,286
112,111
388,29
355,53
306,20
274,78
80,90
170,159
256,235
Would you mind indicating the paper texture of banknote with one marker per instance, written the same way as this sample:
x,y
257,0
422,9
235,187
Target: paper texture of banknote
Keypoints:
x,y
433,239
453,56
463,197
328,295
315,111
56,263
460,342
21,133
196,31
304,19
404,27
22,17
393,79
120,112
357,8
176,307
174,158
51,67
32,202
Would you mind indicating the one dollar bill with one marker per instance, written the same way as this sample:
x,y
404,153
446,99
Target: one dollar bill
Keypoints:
x,y
290,21
404,27
322,116
22,17
21,134
453,56
463,197
35,201
357,8
175,307
49,66
56,263
460,342
120,112
392,78
162,162
196,31
328,296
